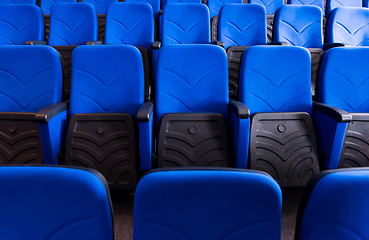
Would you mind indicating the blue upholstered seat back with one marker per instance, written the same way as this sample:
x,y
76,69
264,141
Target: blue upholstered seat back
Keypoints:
x,y
344,78
332,4
270,5
30,78
106,79
319,3
46,5
155,4
100,5
18,2
216,5
242,25
165,2
191,79
283,86
75,28
130,24
20,23
305,30
185,24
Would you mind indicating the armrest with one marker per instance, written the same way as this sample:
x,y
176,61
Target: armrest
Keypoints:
x,y
328,46
145,111
94,43
218,43
239,109
36,42
161,12
278,43
45,114
337,113
156,45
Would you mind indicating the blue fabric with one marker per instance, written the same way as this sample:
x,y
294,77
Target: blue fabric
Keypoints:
x,y
100,5
319,3
305,31
196,82
155,4
77,27
46,5
18,2
242,25
53,203
332,4
20,23
207,204
130,24
146,130
165,2
185,24
338,207
240,129
348,25
106,79
216,5
284,87
343,79
31,78
270,5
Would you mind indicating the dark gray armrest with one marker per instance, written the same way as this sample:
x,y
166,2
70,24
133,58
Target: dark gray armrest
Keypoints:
x,y
218,43
240,109
36,42
45,114
328,46
145,111
337,113
94,43
160,12
156,45
278,43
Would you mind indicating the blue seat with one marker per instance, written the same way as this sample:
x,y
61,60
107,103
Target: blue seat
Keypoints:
x,y
342,85
165,2
207,204
32,116
155,4
18,2
318,3
282,137
100,5
44,202
348,25
334,206
20,23
46,5
240,26
332,4
193,113
106,107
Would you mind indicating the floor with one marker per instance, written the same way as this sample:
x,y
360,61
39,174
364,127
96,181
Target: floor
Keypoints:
x,y
123,213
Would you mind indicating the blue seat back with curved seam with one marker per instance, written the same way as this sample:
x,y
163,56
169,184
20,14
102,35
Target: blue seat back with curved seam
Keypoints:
x,y
44,202
242,25
343,79
216,5
348,25
332,4
155,4
75,28
191,79
46,5
207,204
130,24
305,31
20,23
37,85
115,84
100,5
285,85
334,206
270,5
318,3
185,24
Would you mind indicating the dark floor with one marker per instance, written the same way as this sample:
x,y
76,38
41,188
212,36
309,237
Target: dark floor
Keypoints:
x,y
123,213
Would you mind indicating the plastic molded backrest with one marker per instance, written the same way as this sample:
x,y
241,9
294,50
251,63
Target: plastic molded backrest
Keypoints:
x,y
318,3
348,25
191,79
332,4
130,24
215,5
186,24
20,23
343,79
106,79
31,78
75,28
54,203
18,2
46,5
100,5
165,2
242,25
282,85
207,204
270,5
155,4
306,30
335,206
